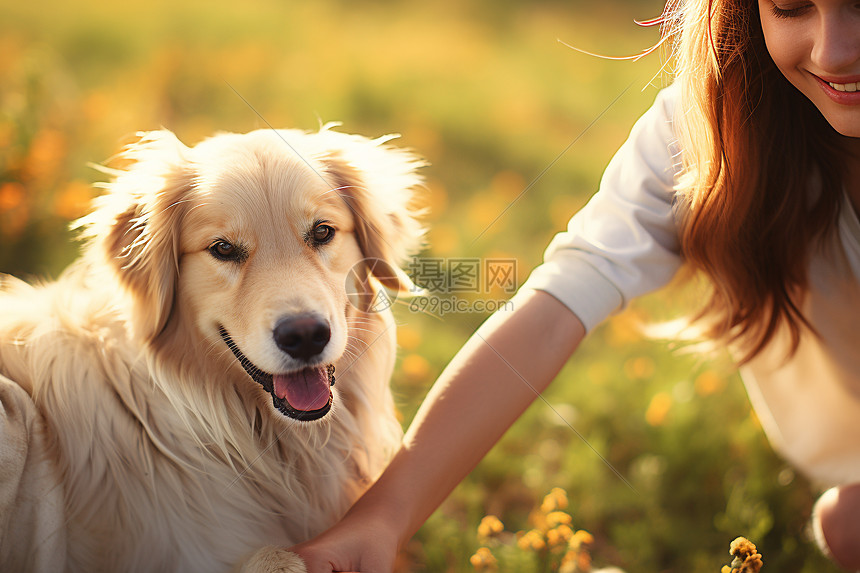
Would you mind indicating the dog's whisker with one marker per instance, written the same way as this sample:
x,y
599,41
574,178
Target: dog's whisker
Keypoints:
x,y
354,329
360,334
362,321
368,323
350,353
358,345
354,353
359,329
363,352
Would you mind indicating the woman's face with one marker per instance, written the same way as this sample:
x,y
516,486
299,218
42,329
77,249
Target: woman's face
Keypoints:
x,y
816,45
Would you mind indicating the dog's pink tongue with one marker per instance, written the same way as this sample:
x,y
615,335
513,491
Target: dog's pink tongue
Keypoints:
x,y
305,390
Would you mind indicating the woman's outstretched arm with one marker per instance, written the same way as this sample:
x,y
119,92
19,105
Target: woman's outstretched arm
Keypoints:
x,y
503,367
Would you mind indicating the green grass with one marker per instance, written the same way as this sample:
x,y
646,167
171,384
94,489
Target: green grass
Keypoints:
x,y
488,95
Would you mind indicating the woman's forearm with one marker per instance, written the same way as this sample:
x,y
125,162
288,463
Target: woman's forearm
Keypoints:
x,y
492,380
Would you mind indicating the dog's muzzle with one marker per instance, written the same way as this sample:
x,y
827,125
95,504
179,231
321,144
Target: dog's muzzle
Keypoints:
x,y
303,395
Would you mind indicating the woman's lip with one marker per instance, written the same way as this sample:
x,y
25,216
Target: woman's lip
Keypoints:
x,y
839,80
844,98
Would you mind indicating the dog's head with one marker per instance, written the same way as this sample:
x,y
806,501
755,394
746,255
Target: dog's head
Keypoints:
x,y
254,240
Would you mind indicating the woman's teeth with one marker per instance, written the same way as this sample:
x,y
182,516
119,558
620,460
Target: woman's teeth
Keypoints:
x,y
845,87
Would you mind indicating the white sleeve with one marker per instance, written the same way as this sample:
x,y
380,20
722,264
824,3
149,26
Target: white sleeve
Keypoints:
x,y
624,242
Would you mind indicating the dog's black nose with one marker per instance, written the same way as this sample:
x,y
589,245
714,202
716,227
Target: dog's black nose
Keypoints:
x,y
302,337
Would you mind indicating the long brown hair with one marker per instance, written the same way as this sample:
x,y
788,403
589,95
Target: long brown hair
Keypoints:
x,y
762,179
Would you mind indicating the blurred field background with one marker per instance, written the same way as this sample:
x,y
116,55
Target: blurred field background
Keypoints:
x,y
483,90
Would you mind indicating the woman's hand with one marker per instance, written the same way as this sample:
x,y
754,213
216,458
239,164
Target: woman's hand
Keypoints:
x,y
356,543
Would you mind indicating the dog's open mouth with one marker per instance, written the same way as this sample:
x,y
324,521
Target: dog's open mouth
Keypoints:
x,y
303,394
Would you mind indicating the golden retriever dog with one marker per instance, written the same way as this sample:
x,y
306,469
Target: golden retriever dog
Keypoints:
x,y
201,388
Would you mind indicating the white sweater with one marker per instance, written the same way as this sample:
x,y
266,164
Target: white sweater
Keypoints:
x,y
624,243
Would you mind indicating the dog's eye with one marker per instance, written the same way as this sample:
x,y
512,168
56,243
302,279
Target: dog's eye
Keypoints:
x,y
224,251
322,234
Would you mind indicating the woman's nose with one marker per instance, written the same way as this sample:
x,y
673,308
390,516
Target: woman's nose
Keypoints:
x,y
837,41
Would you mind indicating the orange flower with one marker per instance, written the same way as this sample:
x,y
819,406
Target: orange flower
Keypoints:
x,y
555,518
484,560
11,196
408,337
415,366
490,526
583,561
560,535
74,200
14,210
746,558
658,409
533,540
46,154
555,500
581,538
709,382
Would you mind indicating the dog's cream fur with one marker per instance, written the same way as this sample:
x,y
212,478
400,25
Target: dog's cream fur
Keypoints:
x,y
168,456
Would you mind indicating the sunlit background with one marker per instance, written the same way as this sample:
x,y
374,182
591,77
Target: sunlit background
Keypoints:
x,y
517,128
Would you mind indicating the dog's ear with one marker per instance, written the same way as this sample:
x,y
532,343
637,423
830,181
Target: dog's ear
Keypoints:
x,y
136,225
378,183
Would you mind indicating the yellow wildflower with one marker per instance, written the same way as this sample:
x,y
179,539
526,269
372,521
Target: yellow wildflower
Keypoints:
x,y
483,560
555,518
555,500
658,409
568,563
581,537
415,366
742,547
709,382
408,338
533,540
490,526
560,535
11,196
746,558
74,200
583,561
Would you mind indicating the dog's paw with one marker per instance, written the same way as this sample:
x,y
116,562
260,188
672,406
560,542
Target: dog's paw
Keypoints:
x,y
273,559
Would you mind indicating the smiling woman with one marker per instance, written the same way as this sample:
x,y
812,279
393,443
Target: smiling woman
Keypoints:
x,y
740,99
815,46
